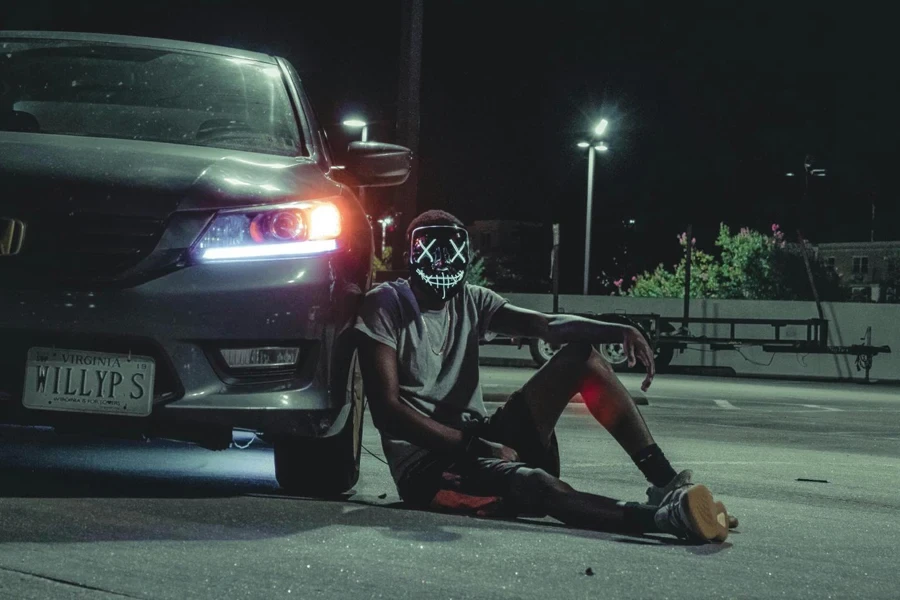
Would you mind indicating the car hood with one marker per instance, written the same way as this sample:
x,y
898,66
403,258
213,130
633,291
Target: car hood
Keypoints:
x,y
42,172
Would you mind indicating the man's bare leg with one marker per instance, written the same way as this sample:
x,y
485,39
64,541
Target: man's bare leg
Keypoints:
x,y
578,509
688,513
578,368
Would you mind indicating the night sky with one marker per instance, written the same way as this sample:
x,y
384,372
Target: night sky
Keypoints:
x,y
709,106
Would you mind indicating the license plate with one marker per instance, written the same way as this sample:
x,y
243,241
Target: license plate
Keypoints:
x,y
89,382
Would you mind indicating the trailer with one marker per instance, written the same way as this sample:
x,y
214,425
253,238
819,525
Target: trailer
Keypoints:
x,y
668,335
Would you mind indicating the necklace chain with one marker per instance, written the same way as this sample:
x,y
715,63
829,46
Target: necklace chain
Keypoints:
x,y
446,334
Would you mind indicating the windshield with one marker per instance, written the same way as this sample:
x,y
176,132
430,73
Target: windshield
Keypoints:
x,y
108,90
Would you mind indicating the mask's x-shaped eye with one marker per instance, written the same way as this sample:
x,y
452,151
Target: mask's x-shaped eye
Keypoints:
x,y
425,250
459,251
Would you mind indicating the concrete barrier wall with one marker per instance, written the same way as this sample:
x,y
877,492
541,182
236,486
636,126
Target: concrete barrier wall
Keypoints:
x,y
847,325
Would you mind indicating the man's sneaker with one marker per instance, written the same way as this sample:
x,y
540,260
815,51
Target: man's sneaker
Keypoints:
x,y
656,494
691,513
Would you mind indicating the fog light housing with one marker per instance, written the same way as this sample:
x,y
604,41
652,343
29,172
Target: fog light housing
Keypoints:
x,y
260,358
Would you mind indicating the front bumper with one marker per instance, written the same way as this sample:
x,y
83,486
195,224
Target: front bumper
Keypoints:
x,y
181,319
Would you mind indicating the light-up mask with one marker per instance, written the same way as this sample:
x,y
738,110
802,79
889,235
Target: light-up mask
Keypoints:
x,y
439,259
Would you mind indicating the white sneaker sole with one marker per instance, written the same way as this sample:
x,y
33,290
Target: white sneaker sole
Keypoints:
x,y
704,515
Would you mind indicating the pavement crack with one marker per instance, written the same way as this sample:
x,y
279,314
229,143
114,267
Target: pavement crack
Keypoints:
x,y
69,583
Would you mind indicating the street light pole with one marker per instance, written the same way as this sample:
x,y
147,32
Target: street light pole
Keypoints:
x,y
592,147
384,221
587,226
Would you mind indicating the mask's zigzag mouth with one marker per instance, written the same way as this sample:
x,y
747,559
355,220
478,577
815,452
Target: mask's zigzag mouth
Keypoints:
x,y
441,281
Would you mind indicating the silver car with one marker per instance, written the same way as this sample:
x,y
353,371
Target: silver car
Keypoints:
x,y
179,255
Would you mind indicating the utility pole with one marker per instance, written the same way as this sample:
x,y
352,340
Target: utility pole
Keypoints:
x,y
809,274
872,231
412,17
554,268
687,276
587,220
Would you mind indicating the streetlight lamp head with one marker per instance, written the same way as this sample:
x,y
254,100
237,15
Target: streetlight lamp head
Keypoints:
x,y
601,147
355,123
583,144
600,129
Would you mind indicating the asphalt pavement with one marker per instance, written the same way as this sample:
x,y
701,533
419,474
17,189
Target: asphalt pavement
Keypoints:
x,y
811,470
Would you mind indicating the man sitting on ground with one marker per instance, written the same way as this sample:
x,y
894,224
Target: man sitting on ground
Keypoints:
x,y
419,361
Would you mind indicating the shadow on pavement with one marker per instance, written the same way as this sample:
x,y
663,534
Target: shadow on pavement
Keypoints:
x,y
58,491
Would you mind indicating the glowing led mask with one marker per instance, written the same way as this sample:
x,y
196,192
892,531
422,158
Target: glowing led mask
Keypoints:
x,y
439,259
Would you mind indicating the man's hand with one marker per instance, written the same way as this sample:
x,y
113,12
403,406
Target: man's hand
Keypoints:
x,y
482,448
636,348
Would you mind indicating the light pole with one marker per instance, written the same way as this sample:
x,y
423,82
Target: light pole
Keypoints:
x,y
593,146
809,171
359,124
385,223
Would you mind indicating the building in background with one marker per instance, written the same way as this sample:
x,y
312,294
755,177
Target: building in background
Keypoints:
x,y
870,269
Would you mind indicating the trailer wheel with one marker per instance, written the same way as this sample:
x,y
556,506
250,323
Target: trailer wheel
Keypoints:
x,y
615,353
615,356
542,351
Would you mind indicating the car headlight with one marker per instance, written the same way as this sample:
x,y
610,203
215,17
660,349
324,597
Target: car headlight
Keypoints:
x,y
281,231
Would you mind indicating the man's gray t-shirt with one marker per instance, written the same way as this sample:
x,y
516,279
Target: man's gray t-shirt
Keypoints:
x,y
437,356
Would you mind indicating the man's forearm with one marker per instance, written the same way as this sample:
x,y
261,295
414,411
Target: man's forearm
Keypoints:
x,y
563,329
408,424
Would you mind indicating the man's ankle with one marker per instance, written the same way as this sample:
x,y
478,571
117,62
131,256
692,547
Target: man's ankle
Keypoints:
x,y
639,518
654,465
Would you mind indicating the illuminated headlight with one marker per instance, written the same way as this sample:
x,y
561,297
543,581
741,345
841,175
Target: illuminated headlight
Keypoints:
x,y
249,358
281,231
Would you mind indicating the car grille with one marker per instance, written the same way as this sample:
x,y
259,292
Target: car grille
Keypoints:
x,y
16,344
82,247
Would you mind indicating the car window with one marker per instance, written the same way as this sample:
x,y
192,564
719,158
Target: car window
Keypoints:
x,y
109,90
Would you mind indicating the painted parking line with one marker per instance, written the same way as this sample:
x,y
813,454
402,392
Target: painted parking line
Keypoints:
x,y
725,404
752,406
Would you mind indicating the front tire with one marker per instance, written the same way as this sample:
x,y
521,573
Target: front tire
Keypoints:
x,y
325,467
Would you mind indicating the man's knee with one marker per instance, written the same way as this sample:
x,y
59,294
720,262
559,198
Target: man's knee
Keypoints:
x,y
584,354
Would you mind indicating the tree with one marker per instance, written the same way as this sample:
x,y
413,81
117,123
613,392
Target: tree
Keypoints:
x,y
749,265
382,265
476,274
661,283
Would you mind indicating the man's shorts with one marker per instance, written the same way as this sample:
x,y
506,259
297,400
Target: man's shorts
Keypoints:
x,y
511,425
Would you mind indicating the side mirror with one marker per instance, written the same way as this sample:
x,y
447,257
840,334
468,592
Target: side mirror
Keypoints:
x,y
376,164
